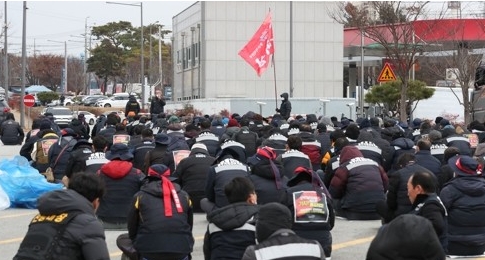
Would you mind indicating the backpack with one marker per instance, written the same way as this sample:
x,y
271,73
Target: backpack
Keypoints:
x,y
43,242
43,146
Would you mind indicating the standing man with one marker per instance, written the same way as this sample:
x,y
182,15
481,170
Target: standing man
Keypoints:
x,y
157,104
132,108
285,107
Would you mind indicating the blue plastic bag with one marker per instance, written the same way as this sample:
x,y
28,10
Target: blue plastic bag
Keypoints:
x,y
23,183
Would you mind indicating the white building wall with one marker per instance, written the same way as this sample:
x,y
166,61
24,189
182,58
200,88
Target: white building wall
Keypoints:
x,y
227,26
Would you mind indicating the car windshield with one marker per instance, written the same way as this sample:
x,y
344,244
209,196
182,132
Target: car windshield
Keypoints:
x,y
61,112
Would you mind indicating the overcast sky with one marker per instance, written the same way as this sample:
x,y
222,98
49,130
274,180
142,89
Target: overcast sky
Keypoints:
x,y
65,21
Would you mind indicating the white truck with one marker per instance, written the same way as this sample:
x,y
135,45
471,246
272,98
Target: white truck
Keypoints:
x,y
443,103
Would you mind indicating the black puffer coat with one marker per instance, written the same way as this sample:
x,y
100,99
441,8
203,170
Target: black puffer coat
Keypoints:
x,y
222,240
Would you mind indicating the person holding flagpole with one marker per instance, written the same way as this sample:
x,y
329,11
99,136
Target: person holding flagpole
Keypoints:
x,y
285,107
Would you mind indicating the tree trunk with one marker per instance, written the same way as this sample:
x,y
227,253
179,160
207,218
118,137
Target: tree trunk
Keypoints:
x,y
105,85
403,115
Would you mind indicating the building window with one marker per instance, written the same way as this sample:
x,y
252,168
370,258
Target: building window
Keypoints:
x,y
178,57
189,57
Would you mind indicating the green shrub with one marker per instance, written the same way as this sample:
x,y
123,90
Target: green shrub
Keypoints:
x,y
47,97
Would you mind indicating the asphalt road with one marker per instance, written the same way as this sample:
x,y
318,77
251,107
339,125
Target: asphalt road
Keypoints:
x,y
351,239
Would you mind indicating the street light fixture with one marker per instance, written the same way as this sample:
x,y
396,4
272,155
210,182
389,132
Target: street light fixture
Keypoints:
x,y
64,87
324,106
141,50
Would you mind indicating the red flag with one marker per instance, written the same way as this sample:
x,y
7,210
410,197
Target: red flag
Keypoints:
x,y
258,50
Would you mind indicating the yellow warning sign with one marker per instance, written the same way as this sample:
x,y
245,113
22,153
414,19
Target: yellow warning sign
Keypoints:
x,y
386,74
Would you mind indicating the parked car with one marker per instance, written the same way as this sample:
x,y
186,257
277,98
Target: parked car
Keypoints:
x,y
62,115
90,117
91,100
67,102
117,100
121,114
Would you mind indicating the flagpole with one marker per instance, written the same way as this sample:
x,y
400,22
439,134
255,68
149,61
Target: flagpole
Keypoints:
x,y
274,78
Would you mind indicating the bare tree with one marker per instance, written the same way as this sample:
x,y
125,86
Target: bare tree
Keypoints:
x,y
393,31
456,59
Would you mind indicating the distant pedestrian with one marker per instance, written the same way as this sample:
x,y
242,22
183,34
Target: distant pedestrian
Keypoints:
x,y
61,99
157,105
285,107
132,108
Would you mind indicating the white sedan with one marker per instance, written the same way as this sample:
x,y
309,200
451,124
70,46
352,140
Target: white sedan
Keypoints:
x,y
90,117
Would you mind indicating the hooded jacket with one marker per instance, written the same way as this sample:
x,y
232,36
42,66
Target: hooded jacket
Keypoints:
x,y
84,235
276,141
463,198
401,145
154,232
59,155
285,107
269,183
77,159
122,181
229,233
358,182
79,128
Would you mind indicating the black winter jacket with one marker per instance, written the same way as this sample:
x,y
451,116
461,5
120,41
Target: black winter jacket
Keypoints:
x,y
285,107
122,181
314,230
397,195
157,105
59,155
11,132
152,231
210,140
270,185
221,174
222,240
430,207
191,174
77,158
84,236
428,161
293,159
463,197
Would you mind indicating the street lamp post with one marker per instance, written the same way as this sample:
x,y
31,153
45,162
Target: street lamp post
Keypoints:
x,y
160,67
142,65
324,106
64,76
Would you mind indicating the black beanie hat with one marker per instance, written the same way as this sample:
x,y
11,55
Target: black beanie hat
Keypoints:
x,y
271,217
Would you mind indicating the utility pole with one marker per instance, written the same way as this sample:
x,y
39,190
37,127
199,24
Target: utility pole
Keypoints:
x,y
5,58
24,64
86,80
160,67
